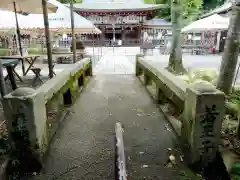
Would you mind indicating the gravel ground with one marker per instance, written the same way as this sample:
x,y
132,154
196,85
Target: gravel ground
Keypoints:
x,y
83,148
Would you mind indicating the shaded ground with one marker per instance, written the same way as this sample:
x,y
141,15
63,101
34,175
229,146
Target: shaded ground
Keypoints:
x,y
84,147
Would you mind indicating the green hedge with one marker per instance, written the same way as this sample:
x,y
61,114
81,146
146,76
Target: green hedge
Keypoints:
x,y
5,52
37,51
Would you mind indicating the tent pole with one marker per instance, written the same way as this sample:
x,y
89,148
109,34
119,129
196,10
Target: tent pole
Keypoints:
x,y
18,29
73,32
101,43
98,46
48,40
93,41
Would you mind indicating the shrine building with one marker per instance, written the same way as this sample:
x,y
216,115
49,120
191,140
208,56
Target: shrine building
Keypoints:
x,y
124,20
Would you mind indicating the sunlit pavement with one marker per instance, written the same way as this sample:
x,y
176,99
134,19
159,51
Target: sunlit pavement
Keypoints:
x,y
112,63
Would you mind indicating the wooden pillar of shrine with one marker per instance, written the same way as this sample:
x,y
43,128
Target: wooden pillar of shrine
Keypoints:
x,y
123,34
102,36
139,34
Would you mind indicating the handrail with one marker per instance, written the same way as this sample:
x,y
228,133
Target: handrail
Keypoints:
x,y
53,85
177,86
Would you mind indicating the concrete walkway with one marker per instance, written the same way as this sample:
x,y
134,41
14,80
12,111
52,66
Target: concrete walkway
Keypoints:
x,y
115,63
83,149
110,64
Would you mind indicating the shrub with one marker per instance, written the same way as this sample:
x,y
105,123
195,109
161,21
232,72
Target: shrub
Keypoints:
x,y
37,51
201,75
5,52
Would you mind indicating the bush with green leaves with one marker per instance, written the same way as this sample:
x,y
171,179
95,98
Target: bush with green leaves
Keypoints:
x,y
5,52
37,50
208,75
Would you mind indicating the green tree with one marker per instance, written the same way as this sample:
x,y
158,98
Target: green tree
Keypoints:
x,y
165,12
190,9
175,59
211,4
180,12
231,51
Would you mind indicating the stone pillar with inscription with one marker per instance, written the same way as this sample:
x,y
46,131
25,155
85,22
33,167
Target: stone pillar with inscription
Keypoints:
x,y
202,121
26,119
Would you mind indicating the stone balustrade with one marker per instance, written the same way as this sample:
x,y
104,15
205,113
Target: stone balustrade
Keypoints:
x,y
197,109
38,113
173,88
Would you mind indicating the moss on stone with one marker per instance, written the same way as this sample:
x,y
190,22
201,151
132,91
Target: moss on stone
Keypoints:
x,y
56,102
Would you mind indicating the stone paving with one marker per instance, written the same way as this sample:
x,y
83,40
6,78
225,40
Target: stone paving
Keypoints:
x,y
112,64
116,61
83,148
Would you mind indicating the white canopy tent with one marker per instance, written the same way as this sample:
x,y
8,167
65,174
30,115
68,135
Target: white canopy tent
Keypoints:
x,y
27,6
58,22
211,23
8,23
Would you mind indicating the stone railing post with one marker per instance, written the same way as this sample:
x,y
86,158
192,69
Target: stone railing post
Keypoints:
x,y
91,68
26,119
147,79
137,69
89,72
202,121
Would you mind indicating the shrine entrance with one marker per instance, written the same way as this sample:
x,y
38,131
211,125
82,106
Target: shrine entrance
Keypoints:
x,y
110,36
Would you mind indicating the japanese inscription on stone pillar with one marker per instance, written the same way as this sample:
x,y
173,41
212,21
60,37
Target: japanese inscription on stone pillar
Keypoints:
x,y
207,136
19,132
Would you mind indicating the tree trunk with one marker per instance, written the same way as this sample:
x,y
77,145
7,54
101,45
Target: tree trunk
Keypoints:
x,y
73,32
230,55
175,59
48,39
18,30
2,82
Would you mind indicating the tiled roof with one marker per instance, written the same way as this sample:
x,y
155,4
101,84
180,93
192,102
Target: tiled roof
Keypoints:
x,y
115,5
